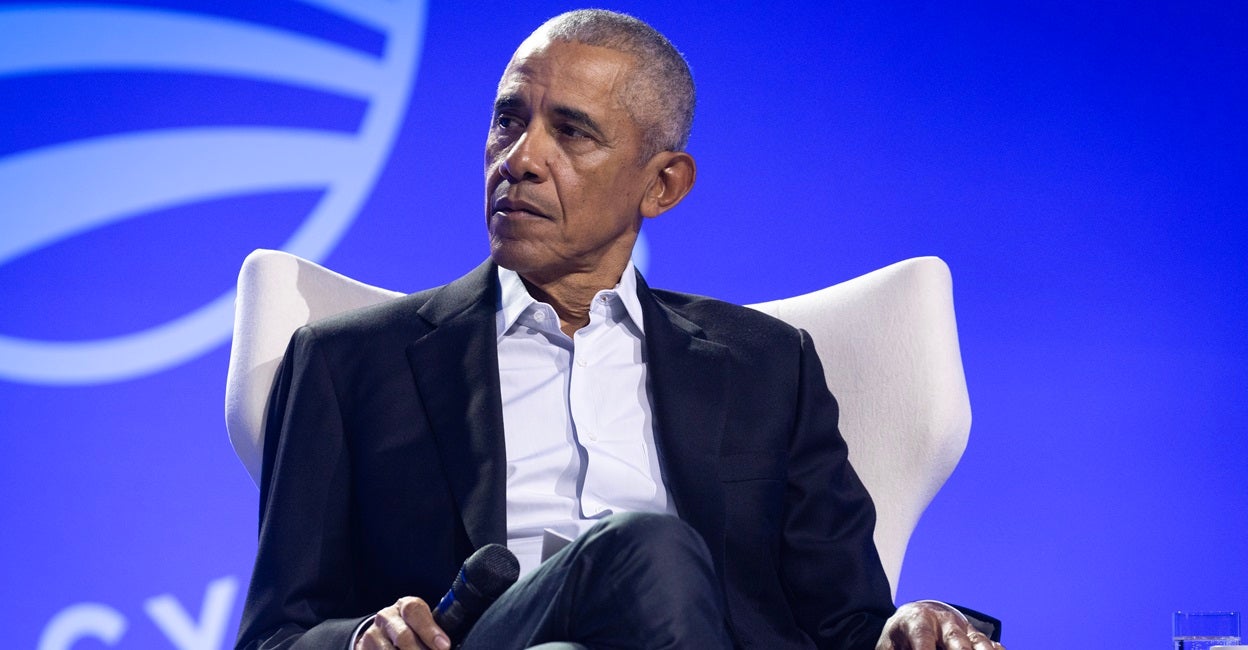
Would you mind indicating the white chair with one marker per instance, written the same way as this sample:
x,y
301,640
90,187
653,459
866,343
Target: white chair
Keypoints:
x,y
889,346
887,339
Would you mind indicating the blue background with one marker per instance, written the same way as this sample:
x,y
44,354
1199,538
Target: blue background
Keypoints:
x,y
1080,166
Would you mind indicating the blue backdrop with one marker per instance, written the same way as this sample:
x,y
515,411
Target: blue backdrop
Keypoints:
x,y
1080,166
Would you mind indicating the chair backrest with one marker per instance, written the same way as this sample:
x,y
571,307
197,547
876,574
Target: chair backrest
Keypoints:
x,y
889,346
888,341
277,294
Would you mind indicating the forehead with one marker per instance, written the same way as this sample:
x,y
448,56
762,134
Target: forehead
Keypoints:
x,y
586,76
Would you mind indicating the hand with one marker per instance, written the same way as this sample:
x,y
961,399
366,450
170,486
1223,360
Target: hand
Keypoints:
x,y
932,626
405,625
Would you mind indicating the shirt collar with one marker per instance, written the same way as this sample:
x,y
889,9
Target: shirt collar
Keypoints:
x,y
627,291
514,299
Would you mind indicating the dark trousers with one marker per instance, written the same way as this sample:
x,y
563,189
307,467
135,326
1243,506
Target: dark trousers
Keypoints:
x,y
634,580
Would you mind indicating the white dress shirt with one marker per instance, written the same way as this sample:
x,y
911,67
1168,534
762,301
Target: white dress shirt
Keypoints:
x,y
577,415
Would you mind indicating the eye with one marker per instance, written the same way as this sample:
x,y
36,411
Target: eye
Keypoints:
x,y
505,122
573,132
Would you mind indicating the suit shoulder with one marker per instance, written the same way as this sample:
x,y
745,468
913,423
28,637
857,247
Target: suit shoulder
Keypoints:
x,y
405,316
372,320
726,320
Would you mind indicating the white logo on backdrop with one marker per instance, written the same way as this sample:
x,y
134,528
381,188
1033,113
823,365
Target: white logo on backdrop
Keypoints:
x,y
56,192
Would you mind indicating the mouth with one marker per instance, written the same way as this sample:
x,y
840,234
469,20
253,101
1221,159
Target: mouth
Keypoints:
x,y
516,207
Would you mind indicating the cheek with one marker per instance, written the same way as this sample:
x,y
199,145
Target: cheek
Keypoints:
x,y
582,208
494,151
621,192
491,159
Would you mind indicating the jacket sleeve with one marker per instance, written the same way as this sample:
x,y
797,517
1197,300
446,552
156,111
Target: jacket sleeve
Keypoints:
x,y
835,583
300,594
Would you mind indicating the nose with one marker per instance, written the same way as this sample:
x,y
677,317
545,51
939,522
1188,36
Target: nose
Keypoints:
x,y
524,159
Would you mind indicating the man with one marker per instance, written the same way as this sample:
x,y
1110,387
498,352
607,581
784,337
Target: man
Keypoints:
x,y
688,444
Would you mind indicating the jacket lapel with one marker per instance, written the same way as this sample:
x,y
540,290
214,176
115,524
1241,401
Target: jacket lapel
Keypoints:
x,y
689,382
689,386
456,371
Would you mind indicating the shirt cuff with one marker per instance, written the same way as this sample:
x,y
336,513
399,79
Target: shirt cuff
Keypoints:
x,y
359,630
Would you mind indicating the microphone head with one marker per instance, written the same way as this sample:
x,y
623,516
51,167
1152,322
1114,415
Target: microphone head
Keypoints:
x,y
491,570
484,577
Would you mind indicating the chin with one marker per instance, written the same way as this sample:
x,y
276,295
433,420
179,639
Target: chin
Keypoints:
x,y
513,255
532,262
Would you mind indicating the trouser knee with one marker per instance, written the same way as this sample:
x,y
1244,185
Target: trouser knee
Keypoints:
x,y
633,580
663,542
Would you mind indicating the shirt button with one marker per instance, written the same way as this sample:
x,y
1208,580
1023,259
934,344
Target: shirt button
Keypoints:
x,y
593,436
581,362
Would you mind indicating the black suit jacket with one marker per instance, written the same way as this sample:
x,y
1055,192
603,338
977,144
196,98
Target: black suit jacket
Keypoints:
x,y
384,468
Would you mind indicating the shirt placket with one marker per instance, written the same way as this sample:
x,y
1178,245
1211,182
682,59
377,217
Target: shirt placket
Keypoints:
x,y
586,354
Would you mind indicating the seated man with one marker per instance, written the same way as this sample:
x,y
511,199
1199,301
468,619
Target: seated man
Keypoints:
x,y
689,445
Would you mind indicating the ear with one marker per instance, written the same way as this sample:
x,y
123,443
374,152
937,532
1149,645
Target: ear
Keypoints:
x,y
673,176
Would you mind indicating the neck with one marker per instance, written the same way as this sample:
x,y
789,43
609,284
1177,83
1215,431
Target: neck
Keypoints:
x,y
570,295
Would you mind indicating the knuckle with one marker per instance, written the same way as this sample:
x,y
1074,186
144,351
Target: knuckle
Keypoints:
x,y
405,638
917,624
954,638
412,607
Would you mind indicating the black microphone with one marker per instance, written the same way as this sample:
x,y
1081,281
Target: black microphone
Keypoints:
x,y
484,577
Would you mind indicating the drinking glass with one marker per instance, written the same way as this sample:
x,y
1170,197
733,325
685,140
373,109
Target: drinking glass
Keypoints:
x,y
1203,630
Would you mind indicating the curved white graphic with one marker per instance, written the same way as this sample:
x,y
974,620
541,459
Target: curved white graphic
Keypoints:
x,y
56,192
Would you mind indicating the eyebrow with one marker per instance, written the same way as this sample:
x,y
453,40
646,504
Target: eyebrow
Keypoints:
x,y
578,116
512,102
505,102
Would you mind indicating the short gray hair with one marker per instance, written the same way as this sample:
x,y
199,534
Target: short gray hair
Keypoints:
x,y
662,83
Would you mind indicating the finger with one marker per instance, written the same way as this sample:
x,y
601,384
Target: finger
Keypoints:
x,y
980,641
389,630
419,619
374,638
402,637
958,636
915,633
